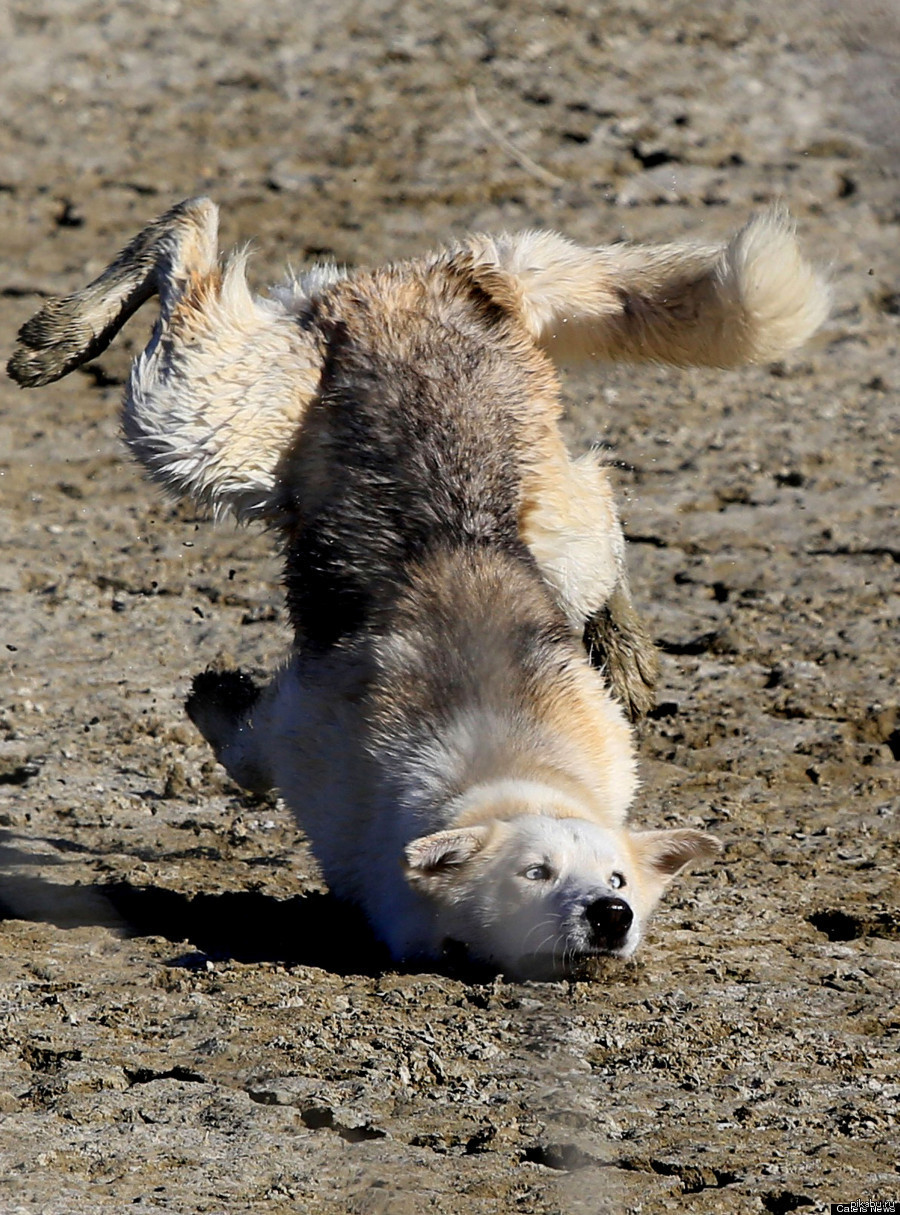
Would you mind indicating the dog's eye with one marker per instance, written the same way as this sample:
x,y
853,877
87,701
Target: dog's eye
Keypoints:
x,y
538,873
617,881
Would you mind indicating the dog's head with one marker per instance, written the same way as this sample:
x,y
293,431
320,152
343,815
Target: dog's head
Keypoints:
x,y
536,895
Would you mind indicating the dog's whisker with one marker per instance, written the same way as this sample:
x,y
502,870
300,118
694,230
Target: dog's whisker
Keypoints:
x,y
548,922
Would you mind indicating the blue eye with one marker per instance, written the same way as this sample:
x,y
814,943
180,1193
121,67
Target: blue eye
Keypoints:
x,y
617,881
538,873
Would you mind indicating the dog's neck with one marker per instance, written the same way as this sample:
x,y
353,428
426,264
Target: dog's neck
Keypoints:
x,y
548,792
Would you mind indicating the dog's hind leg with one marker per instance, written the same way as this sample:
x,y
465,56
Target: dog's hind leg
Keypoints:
x,y
214,403
572,527
750,300
618,643
70,330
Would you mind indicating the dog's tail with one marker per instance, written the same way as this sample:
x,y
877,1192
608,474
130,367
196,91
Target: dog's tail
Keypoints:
x,y
751,300
216,399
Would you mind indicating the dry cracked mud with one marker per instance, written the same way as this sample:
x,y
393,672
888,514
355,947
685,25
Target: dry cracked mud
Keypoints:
x,y
188,1023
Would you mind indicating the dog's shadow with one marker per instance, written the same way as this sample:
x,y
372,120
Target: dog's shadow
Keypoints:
x,y
316,930
247,926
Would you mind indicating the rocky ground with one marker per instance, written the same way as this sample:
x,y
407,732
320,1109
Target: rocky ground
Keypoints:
x,y
187,1022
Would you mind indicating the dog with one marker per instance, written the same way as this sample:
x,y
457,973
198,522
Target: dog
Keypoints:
x,y
451,730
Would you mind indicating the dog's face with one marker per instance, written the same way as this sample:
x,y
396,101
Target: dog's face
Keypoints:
x,y
536,896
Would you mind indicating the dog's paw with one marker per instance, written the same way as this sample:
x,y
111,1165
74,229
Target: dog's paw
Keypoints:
x,y
52,342
218,701
618,644
221,706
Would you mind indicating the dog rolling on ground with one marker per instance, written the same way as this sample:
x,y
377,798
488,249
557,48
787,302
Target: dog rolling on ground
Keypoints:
x,y
461,769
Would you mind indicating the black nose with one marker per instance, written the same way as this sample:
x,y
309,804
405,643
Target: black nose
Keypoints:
x,y
610,920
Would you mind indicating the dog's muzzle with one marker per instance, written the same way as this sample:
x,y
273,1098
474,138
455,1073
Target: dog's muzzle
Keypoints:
x,y
610,920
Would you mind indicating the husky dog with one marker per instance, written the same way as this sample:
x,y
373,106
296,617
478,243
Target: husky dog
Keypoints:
x,y
461,769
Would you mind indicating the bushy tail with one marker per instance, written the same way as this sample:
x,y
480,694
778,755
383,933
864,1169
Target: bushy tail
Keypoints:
x,y
749,301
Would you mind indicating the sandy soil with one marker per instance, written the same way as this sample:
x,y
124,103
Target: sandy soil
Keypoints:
x,y
187,1022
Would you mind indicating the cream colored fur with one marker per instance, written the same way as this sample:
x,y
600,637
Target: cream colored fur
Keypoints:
x,y
748,301
460,769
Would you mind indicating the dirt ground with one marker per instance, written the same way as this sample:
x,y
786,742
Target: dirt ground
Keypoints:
x,y
188,1023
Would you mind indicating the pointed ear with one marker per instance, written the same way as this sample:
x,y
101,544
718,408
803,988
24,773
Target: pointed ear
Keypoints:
x,y
431,857
667,852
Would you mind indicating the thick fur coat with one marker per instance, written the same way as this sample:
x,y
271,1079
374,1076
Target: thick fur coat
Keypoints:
x,y
442,732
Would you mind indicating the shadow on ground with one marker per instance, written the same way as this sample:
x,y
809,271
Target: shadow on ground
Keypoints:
x,y
310,930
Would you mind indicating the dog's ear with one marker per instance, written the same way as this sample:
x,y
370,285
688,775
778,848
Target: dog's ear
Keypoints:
x,y
431,858
667,852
